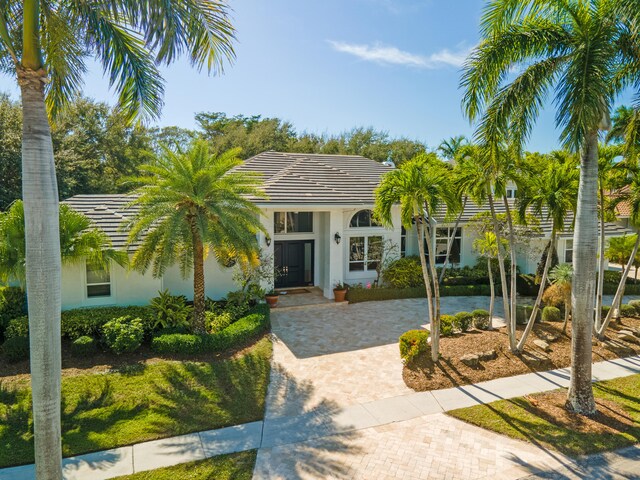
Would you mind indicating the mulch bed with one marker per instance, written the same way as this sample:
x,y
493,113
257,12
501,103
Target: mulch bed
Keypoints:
x,y
611,417
422,374
105,361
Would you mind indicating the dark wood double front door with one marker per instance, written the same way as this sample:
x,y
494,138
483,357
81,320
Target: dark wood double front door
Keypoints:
x,y
293,261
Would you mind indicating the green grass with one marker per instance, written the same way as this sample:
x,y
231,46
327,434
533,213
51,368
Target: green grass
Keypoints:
x,y
141,402
236,466
518,418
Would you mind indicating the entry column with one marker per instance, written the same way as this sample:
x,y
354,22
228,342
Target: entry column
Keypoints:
x,y
334,262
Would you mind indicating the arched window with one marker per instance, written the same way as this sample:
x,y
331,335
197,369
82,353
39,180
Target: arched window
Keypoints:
x,y
364,218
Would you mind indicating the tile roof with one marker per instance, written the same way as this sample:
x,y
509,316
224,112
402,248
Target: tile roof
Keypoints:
x,y
315,179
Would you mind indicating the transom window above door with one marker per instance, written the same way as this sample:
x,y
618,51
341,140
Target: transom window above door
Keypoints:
x,y
364,218
293,222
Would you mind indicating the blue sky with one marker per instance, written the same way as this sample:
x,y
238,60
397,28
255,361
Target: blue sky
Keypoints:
x,y
329,65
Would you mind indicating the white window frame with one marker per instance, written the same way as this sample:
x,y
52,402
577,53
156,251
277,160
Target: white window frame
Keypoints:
x,y
365,261
286,230
568,247
371,225
97,298
446,238
511,192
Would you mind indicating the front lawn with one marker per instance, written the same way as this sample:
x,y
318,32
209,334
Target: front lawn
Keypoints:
x,y
542,419
236,466
141,402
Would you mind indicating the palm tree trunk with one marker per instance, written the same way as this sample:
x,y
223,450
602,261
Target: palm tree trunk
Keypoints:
x,y
543,284
514,265
617,299
435,324
198,278
503,277
43,269
600,291
450,244
493,294
585,242
427,285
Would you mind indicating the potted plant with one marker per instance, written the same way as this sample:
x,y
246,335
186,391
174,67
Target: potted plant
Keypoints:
x,y
272,298
340,292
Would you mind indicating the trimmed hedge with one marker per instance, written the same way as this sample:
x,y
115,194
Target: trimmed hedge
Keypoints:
x,y
404,273
446,325
628,311
357,294
18,327
12,301
463,321
412,344
83,347
551,314
88,322
16,349
481,319
123,334
523,312
635,304
629,289
235,334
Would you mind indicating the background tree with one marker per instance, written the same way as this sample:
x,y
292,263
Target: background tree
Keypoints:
x,y
560,277
44,45
585,52
10,155
189,203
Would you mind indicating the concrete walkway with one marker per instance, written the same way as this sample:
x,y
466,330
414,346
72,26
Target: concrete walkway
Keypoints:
x,y
406,436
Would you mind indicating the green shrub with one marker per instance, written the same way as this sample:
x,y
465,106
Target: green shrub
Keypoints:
x,y
123,334
604,311
463,321
170,310
446,325
404,272
635,304
83,347
525,285
523,313
18,327
12,301
627,311
16,349
234,335
464,290
81,322
412,344
215,323
551,314
357,295
481,319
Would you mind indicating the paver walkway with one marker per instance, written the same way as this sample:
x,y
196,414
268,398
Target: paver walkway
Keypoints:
x,y
337,408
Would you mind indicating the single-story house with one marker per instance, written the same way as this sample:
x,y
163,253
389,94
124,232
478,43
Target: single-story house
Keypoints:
x,y
319,232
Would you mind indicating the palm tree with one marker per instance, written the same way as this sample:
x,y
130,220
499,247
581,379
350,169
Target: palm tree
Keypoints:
x,y
550,193
79,241
190,202
46,44
560,277
487,246
480,177
585,53
449,148
421,187
631,196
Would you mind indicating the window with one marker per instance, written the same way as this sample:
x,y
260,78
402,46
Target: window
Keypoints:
x,y
403,242
511,193
293,222
364,218
443,235
568,251
365,253
98,281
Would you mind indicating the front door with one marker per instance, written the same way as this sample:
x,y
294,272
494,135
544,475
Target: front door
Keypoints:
x,y
293,262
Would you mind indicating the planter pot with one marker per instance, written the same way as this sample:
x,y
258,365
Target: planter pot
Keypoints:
x,y
272,300
340,295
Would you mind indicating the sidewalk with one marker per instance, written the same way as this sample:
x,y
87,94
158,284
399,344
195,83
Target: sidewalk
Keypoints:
x,y
332,427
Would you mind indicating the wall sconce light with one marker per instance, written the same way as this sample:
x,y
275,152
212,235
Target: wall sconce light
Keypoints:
x,y
267,240
337,238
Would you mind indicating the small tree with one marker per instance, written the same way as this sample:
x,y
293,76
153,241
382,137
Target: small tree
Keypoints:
x,y
561,276
487,246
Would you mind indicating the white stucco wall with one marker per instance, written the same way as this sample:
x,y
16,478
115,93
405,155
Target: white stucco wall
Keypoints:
x,y
218,280
127,287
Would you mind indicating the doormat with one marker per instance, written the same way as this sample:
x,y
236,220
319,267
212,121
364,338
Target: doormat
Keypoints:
x,y
294,292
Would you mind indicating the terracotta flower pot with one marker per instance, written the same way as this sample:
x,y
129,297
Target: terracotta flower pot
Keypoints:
x,y
339,294
272,300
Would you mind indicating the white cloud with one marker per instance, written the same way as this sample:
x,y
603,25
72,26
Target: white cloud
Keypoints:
x,y
389,55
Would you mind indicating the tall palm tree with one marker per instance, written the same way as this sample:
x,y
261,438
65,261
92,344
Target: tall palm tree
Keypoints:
x,y
480,176
550,193
560,277
585,52
421,187
487,246
79,241
45,45
187,204
631,196
450,147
